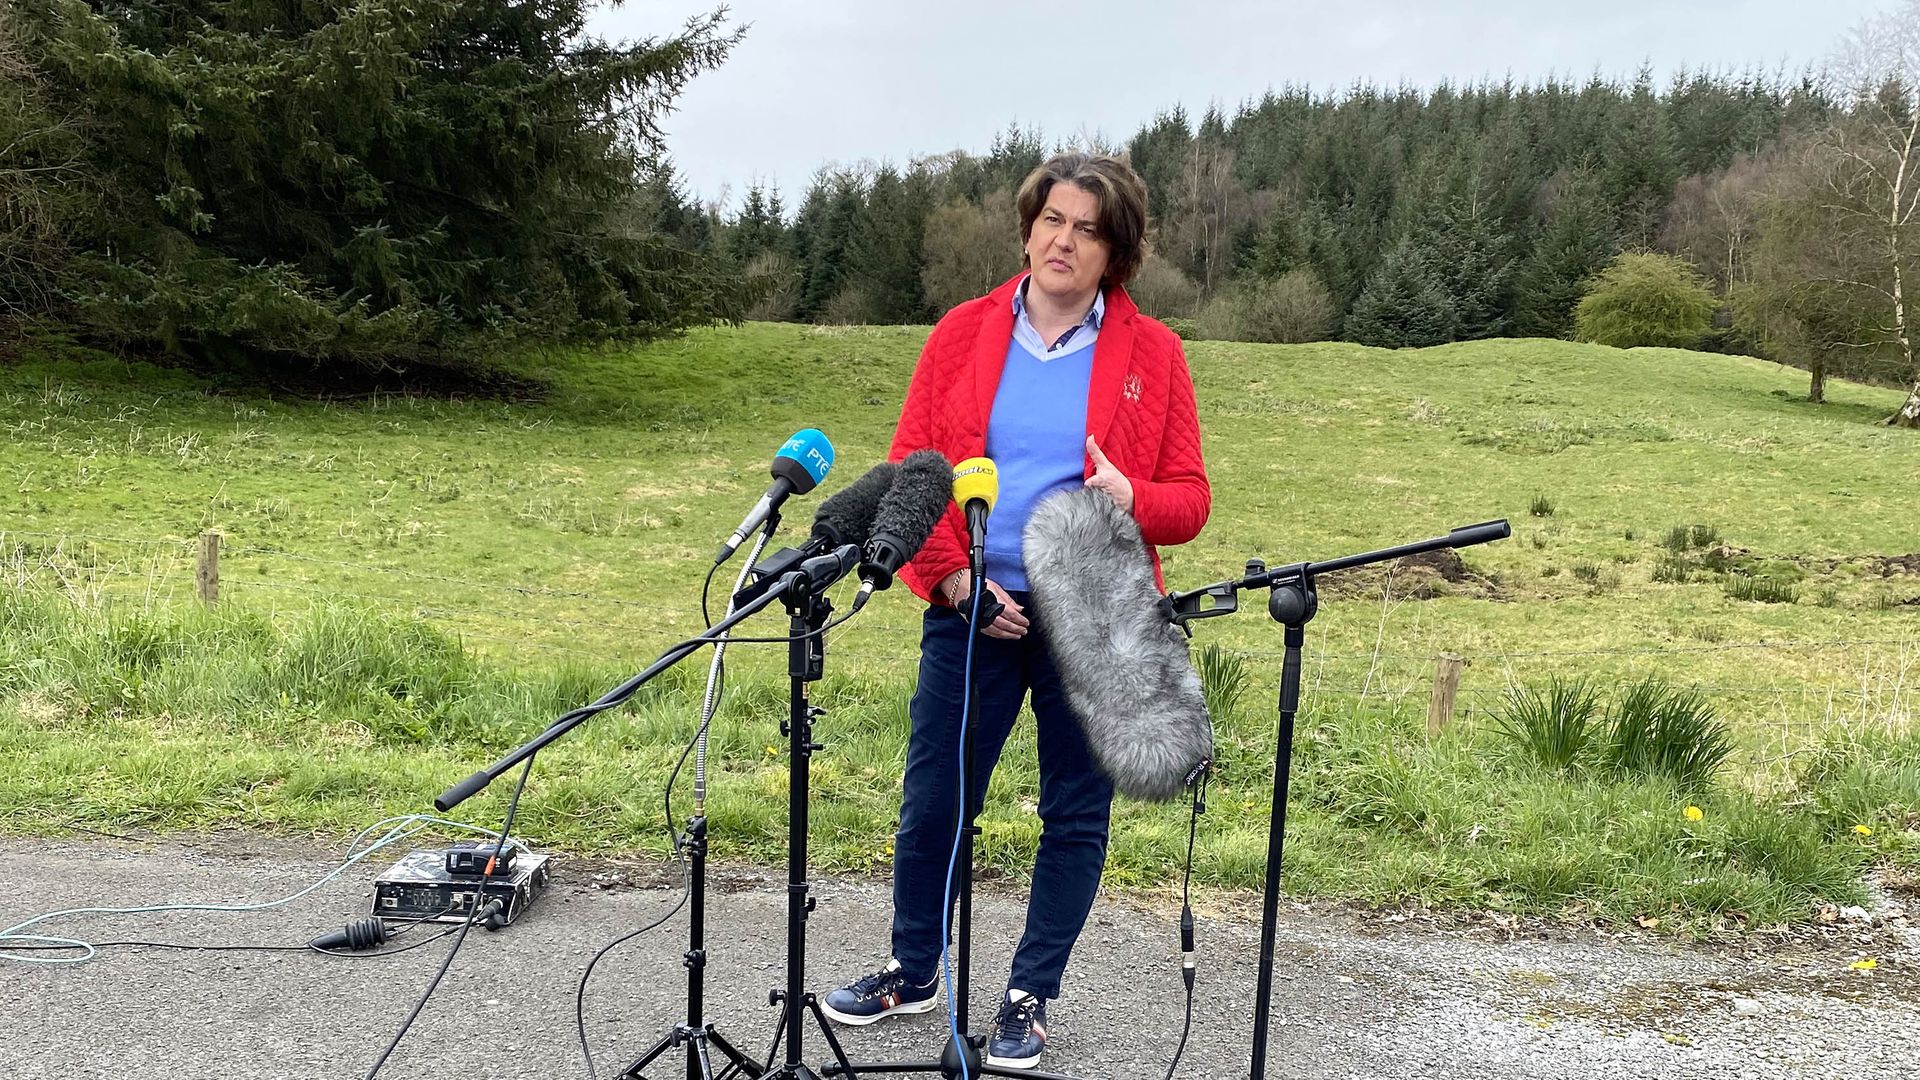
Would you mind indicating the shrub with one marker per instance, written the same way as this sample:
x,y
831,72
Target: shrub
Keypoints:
x,y
1163,291
1292,308
1646,300
776,281
1186,329
851,306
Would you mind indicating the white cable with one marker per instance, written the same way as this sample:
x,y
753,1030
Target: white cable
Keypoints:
x,y
408,825
712,700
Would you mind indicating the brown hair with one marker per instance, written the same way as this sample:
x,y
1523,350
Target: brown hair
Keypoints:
x,y
1122,196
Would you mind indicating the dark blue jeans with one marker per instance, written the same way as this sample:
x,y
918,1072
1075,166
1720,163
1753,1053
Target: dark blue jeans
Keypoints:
x,y
1074,797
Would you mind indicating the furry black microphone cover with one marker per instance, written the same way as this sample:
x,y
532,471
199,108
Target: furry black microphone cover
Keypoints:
x,y
846,517
1126,669
922,487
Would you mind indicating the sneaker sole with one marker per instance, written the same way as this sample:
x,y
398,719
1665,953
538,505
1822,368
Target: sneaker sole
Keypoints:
x,y
1014,1063
861,1021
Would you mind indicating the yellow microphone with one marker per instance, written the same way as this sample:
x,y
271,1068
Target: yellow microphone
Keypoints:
x,y
976,486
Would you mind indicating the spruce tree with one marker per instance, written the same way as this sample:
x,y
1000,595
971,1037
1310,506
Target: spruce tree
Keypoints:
x,y
1576,244
372,182
1405,304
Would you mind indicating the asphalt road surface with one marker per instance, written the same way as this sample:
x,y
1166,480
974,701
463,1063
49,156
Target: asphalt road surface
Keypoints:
x,y
1358,995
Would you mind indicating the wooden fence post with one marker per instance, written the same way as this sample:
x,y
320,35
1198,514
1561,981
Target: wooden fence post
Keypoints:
x,y
1446,684
207,574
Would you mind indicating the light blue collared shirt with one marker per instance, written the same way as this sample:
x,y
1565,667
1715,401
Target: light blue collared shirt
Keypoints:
x,y
1081,336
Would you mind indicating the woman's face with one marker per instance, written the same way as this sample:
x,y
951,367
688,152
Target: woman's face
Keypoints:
x,y
1065,252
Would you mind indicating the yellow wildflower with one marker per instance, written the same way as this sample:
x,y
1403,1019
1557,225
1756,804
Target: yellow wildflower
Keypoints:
x,y
1863,830
1694,813
1867,964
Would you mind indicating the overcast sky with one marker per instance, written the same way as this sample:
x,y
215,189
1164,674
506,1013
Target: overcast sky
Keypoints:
x,y
838,81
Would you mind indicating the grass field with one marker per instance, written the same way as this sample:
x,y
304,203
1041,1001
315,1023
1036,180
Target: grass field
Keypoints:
x,y
410,586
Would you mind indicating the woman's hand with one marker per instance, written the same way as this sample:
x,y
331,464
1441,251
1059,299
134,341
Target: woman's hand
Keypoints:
x,y
1109,479
1009,624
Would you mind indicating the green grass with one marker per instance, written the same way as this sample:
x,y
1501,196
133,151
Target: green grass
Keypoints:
x,y
487,565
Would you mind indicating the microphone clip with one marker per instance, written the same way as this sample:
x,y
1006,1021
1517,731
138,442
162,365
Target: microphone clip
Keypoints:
x,y
1210,602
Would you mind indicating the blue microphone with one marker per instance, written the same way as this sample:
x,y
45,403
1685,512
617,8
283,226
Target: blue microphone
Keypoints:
x,y
798,465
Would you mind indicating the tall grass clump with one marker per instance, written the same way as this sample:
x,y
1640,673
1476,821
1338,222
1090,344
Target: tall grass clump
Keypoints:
x,y
1657,730
1762,590
1682,537
1223,679
1554,728
1866,787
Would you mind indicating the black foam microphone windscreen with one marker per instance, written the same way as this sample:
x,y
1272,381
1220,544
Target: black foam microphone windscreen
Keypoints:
x,y
907,514
1126,670
846,516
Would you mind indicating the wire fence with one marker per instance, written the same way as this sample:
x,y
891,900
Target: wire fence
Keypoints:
x,y
1832,679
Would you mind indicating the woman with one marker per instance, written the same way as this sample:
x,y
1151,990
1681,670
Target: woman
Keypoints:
x,y
1059,379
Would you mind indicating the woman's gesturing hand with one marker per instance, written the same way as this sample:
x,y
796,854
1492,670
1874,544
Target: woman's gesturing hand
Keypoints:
x,y
1109,479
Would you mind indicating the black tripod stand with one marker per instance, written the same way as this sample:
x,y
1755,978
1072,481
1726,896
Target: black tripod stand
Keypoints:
x,y
1293,602
806,653
802,590
697,1035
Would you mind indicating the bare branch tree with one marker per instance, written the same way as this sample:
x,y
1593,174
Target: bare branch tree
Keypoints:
x,y
1870,183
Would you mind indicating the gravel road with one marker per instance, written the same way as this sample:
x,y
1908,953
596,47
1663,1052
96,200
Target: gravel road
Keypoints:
x,y
1359,995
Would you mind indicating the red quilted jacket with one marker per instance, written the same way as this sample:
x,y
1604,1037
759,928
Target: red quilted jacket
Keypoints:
x,y
1140,410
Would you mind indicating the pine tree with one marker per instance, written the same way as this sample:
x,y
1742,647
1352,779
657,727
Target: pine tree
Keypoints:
x,y
757,228
1405,304
1576,244
372,183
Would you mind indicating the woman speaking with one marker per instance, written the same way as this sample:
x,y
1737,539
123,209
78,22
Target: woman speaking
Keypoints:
x,y
1058,378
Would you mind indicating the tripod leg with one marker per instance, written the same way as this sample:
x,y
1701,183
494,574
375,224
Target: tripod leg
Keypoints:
x,y
667,1042
779,1032
833,1042
742,1064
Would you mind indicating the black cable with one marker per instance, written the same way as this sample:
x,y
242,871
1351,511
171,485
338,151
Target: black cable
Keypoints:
x,y
580,992
1186,909
598,707
706,619
387,952
787,640
506,830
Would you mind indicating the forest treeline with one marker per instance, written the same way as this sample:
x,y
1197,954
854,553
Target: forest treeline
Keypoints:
x,y
428,181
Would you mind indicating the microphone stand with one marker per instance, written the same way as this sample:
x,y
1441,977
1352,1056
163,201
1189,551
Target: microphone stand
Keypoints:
x,y
1292,602
807,611
697,1034
802,591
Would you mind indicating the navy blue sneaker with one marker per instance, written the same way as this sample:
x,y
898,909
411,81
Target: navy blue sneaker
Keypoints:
x,y
884,993
1019,1032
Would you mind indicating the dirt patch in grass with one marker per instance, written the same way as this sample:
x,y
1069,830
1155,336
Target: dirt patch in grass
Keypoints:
x,y
1416,577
